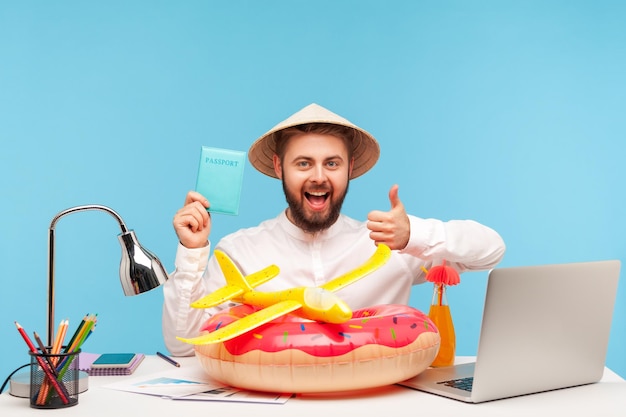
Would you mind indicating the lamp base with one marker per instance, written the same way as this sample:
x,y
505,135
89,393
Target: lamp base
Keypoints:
x,y
20,384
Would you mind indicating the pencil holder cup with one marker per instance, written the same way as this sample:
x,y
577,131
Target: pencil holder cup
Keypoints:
x,y
54,379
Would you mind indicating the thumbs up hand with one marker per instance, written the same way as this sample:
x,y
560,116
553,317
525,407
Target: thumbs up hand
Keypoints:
x,y
390,227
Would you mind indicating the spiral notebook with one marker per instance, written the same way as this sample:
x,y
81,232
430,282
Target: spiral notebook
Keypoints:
x,y
85,360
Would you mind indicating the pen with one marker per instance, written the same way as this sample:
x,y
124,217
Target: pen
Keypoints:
x,y
168,359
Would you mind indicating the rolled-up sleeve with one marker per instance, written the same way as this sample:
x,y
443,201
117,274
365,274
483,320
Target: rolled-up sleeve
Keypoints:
x,y
467,244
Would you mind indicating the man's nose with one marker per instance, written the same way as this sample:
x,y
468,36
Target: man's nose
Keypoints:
x,y
318,174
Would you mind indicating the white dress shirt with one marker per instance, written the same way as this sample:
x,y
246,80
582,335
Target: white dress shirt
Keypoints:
x,y
307,260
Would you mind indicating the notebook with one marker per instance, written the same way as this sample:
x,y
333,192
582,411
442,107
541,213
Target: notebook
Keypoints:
x,y
543,328
85,360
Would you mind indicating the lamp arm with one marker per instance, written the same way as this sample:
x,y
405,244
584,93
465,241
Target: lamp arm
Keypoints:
x,y
89,207
51,254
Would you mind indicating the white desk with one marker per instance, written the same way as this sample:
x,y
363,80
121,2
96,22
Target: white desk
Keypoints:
x,y
606,398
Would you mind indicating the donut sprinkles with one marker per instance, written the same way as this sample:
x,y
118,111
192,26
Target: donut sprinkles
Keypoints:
x,y
380,345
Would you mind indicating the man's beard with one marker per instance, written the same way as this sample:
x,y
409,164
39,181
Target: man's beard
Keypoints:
x,y
318,221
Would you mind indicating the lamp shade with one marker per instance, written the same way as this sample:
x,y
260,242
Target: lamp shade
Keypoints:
x,y
140,269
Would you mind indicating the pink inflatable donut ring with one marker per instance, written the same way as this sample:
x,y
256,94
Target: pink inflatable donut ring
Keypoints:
x,y
380,345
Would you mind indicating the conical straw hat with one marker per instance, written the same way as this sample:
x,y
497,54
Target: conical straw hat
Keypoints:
x,y
365,147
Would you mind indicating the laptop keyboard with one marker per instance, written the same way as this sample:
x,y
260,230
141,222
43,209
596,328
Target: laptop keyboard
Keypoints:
x,y
464,384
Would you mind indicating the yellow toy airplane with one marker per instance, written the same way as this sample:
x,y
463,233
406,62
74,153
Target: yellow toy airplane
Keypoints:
x,y
314,303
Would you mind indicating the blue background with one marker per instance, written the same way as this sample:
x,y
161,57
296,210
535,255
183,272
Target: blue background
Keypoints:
x,y
510,113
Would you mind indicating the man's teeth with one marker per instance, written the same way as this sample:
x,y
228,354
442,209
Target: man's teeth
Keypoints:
x,y
318,194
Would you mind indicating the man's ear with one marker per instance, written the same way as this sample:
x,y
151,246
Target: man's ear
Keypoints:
x,y
277,167
351,166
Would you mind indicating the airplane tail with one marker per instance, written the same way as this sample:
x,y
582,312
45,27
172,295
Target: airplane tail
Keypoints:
x,y
231,272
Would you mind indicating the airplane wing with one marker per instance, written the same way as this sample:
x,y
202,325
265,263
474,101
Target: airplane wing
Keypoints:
x,y
234,288
234,276
217,297
245,324
261,277
378,259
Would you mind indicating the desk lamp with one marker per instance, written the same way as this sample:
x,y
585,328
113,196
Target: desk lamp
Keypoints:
x,y
140,269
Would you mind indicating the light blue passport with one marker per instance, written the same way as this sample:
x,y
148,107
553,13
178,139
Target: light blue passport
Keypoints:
x,y
220,177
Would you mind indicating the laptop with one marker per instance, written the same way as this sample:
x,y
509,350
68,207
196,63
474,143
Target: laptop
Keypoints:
x,y
543,328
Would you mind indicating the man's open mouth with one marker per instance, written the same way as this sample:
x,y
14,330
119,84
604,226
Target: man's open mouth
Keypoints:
x,y
317,198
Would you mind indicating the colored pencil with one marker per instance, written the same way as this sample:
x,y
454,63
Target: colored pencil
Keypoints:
x,y
77,340
86,327
55,349
44,365
76,332
43,349
84,332
58,342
